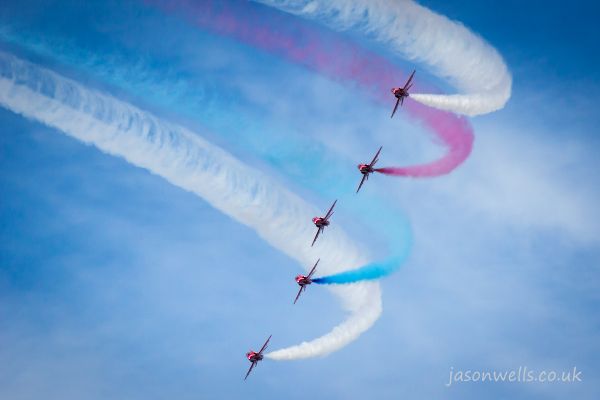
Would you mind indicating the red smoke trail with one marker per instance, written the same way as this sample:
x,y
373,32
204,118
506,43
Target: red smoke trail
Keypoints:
x,y
334,56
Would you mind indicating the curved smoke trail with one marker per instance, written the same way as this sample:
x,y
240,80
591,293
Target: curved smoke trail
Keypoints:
x,y
191,163
359,321
449,49
333,57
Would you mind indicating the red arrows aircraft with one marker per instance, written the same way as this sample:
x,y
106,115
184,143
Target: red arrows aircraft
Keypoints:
x,y
402,92
322,222
255,357
366,169
305,280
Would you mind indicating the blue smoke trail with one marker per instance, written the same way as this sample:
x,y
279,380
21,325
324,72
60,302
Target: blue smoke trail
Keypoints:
x,y
369,272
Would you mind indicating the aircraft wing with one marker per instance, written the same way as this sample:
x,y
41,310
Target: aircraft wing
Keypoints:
x,y
316,236
375,158
330,213
299,293
250,370
312,271
408,85
364,178
395,108
265,345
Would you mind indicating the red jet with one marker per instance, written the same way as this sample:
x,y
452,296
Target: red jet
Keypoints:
x,y
322,222
305,280
401,93
366,169
255,357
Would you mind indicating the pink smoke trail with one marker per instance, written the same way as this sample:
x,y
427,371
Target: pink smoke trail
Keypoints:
x,y
333,56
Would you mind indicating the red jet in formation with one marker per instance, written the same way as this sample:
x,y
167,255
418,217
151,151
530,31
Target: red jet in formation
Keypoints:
x,y
402,92
305,280
255,357
366,169
322,222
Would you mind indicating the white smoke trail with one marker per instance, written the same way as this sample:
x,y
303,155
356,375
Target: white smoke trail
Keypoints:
x,y
190,162
449,49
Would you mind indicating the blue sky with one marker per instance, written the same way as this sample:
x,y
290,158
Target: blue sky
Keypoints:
x,y
116,284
